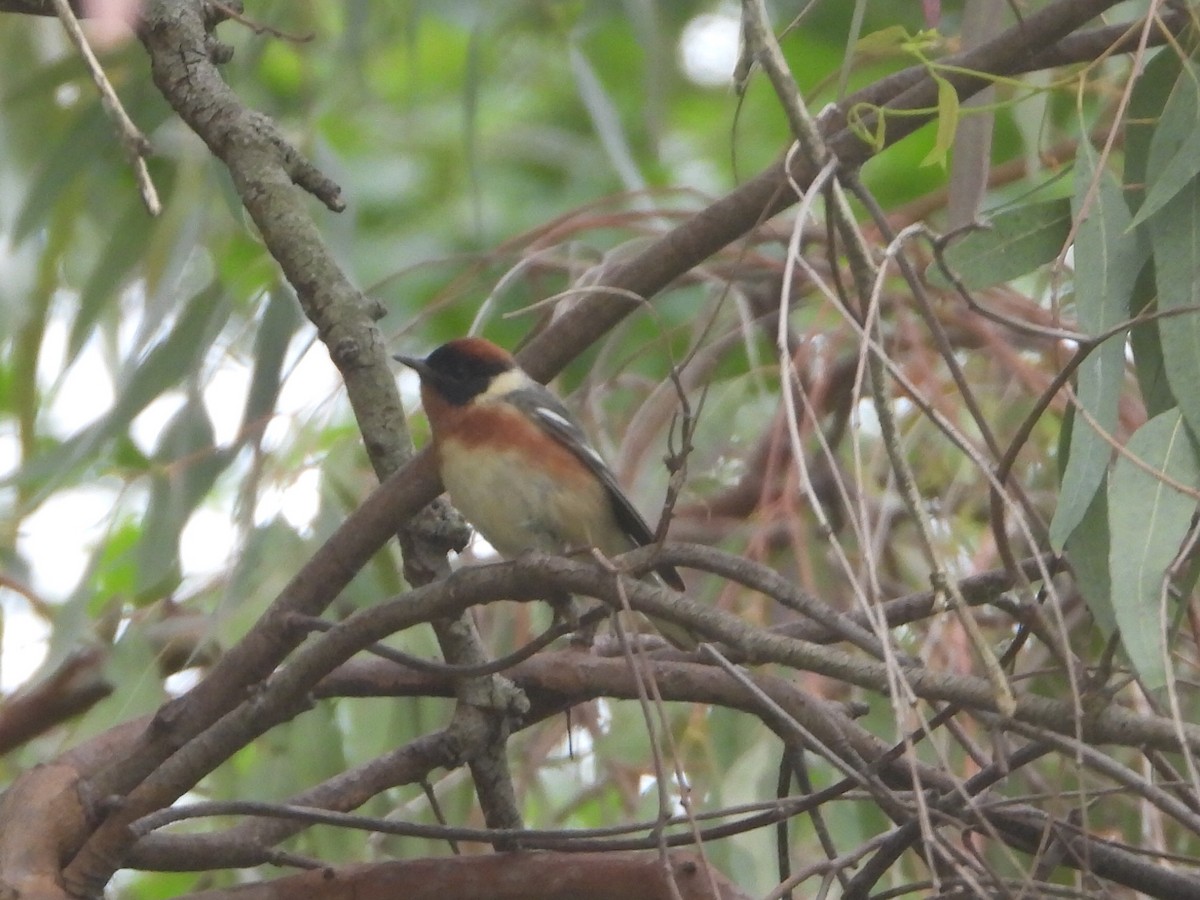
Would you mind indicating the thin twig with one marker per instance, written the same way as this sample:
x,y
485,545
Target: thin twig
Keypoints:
x,y
136,145
259,27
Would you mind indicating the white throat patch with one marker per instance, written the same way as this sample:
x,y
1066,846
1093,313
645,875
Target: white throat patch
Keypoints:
x,y
505,383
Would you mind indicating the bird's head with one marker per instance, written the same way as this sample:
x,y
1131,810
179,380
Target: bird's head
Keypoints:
x,y
467,369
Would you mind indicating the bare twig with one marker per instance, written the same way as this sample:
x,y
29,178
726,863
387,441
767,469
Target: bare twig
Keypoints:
x,y
258,27
136,145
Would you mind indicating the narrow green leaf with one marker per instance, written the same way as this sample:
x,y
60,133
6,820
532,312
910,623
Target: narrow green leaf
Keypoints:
x,y
179,353
162,369
280,319
606,120
63,164
1174,154
1149,364
1088,550
266,557
947,124
1098,389
126,240
1107,262
884,42
189,464
1016,242
132,664
114,570
1175,238
1150,95
1148,520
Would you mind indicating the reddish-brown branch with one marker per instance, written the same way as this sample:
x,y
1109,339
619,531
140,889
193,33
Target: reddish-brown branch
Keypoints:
x,y
72,688
501,876
403,494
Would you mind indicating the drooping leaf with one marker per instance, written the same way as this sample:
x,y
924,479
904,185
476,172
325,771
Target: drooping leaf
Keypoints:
x,y
1016,242
1149,365
1175,238
117,262
1165,157
1150,95
163,368
947,124
1174,155
62,165
605,120
115,571
1148,520
280,319
1088,550
131,664
1107,262
188,464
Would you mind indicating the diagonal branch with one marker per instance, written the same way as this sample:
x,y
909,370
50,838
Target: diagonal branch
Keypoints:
x,y
356,345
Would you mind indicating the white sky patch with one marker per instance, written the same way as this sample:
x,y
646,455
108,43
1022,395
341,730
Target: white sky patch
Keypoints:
x,y
409,384
65,95
57,539
708,47
179,683
147,427
297,502
84,392
865,419
24,644
225,399
206,542
479,549
10,454
311,386
276,432
311,378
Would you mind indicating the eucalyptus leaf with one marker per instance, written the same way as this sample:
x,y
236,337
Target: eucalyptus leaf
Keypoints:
x,y
1088,548
1015,242
1175,240
1107,263
162,369
62,166
1148,519
1149,363
1150,94
188,465
280,319
1174,154
118,262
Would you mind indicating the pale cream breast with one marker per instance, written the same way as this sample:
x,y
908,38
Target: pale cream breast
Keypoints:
x,y
517,508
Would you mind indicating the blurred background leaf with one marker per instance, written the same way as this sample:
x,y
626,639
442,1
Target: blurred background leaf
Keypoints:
x,y
174,442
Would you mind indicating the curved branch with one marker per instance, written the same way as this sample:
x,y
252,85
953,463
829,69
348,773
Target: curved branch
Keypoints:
x,y
269,172
504,876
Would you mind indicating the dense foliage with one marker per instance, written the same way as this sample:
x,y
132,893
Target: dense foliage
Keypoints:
x,y
933,488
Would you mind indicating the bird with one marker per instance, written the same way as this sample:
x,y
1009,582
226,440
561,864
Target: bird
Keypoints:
x,y
520,468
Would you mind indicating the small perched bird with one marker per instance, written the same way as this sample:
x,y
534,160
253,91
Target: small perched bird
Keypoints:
x,y
519,467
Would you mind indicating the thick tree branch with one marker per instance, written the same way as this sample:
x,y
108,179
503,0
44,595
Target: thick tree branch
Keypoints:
x,y
266,173
75,686
265,170
557,680
519,876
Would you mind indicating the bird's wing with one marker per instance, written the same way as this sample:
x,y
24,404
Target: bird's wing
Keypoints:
x,y
550,414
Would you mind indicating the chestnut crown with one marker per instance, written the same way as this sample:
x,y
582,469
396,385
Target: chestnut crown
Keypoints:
x,y
462,369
